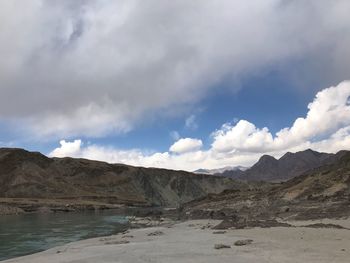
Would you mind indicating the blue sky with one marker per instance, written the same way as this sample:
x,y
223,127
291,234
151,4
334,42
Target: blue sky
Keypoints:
x,y
260,100
175,85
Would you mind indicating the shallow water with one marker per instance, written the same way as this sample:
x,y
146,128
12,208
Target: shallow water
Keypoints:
x,y
26,234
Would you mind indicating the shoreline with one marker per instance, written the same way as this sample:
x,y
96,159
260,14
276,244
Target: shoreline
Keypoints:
x,y
195,241
15,206
23,206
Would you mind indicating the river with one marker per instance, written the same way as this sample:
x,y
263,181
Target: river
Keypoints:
x,y
29,233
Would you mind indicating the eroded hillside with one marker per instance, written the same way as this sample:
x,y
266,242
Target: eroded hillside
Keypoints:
x,y
26,175
319,193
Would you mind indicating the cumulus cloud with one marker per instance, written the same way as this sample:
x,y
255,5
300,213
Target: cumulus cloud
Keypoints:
x,y
67,149
185,145
89,68
326,127
184,161
328,112
243,136
340,140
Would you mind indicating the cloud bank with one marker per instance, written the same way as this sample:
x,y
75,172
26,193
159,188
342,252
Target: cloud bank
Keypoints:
x,y
186,145
326,127
329,112
89,68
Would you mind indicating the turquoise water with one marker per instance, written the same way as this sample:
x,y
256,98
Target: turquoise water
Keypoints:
x,y
26,234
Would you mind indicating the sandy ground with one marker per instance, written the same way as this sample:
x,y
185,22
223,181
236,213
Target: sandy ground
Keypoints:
x,y
193,241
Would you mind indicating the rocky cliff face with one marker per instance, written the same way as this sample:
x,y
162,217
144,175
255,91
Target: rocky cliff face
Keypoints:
x,y
28,175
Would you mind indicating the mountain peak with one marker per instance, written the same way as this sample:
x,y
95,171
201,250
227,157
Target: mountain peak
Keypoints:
x,y
288,166
267,158
310,151
286,155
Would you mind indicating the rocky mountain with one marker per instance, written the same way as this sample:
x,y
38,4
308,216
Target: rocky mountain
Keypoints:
x,y
288,166
220,171
32,176
323,192
328,182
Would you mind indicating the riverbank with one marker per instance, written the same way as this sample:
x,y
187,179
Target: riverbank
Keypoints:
x,y
10,206
196,241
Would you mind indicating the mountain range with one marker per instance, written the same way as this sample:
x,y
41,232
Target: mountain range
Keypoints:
x,y
305,184
220,171
288,166
31,175
322,192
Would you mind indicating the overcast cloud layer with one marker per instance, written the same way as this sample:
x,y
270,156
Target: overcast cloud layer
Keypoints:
x,y
326,127
90,68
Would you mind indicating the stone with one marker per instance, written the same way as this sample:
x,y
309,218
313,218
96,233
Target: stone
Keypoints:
x,y
118,242
156,233
243,242
221,246
219,232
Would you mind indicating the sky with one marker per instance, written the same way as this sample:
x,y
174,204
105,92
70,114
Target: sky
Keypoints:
x,y
175,84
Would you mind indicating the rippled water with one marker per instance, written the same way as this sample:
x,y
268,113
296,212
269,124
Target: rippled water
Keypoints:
x,y
26,234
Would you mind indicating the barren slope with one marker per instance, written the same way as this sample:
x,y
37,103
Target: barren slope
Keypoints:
x,y
32,175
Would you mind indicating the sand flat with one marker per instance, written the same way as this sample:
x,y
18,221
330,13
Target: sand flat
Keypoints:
x,y
193,241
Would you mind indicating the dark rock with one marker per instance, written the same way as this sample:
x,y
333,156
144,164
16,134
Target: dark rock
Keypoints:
x,y
156,233
243,242
221,246
241,224
321,225
219,232
117,242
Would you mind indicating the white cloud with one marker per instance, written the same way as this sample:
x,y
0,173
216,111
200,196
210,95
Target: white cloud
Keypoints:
x,y
327,114
184,161
326,127
191,122
185,145
71,68
340,140
67,149
243,136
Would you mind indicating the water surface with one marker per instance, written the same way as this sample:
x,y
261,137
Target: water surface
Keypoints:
x,y
29,233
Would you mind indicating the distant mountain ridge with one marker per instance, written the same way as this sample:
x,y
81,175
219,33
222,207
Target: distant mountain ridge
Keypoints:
x,y
28,175
219,171
288,166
